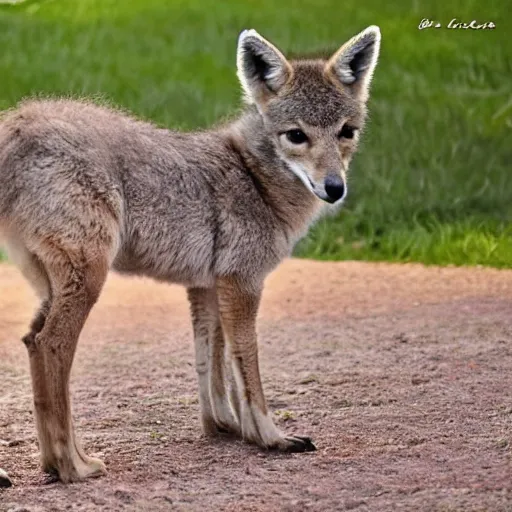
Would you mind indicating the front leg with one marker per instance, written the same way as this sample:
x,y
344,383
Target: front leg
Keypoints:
x,y
216,412
238,307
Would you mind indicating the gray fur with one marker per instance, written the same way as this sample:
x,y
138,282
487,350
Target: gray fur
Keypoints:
x,y
85,188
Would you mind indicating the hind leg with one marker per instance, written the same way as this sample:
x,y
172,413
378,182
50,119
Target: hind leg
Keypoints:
x,y
76,281
38,322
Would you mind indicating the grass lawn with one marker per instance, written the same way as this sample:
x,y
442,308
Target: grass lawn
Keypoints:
x,y
433,180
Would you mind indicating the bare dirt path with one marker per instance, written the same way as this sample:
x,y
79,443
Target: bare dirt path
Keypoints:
x,y
402,375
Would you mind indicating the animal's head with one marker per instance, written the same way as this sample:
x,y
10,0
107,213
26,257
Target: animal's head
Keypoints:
x,y
313,110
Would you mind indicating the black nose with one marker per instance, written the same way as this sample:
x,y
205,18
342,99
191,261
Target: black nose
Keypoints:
x,y
334,187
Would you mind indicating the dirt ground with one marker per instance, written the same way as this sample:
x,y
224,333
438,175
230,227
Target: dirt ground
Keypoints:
x,y
401,374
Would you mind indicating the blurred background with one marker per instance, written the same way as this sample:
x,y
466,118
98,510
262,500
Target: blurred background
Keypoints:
x,y
433,178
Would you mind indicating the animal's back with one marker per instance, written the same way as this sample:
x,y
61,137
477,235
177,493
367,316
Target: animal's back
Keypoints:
x,y
56,150
58,185
178,205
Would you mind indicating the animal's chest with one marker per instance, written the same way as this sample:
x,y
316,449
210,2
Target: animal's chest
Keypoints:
x,y
192,243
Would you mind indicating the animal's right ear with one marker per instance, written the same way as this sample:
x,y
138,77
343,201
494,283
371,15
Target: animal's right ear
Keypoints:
x,y
354,63
261,68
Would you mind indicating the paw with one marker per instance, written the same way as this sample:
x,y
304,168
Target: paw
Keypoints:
x,y
210,427
51,476
231,429
93,468
68,471
224,416
260,429
295,444
214,428
5,480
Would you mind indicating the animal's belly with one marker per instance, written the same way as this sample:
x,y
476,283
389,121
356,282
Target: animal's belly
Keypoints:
x,y
185,258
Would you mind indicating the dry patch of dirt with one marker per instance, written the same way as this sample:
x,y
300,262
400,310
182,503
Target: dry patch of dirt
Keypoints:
x,y
402,375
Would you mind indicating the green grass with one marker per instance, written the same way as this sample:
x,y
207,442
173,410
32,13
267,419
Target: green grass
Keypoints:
x,y
433,180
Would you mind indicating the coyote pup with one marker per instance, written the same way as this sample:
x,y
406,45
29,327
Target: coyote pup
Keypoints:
x,y
84,189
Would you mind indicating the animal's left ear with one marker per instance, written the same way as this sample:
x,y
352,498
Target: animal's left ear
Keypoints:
x,y
353,64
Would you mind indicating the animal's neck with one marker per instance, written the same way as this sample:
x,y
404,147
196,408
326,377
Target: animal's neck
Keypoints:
x,y
293,204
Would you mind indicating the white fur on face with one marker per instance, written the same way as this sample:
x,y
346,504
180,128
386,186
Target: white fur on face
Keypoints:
x,y
300,172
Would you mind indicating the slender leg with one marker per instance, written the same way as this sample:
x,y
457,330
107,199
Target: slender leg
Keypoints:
x,y
76,284
201,320
216,413
221,385
238,307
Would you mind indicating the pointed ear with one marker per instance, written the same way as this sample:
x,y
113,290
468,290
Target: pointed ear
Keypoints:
x,y
261,68
353,64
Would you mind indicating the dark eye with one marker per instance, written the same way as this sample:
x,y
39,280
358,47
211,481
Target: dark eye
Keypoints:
x,y
296,136
347,132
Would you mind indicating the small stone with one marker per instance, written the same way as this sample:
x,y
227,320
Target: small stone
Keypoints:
x,y
402,338
417,380
502,443
123,496
309,379
5,481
